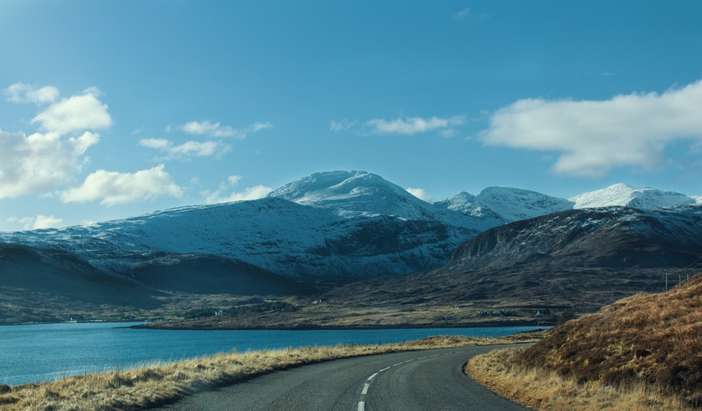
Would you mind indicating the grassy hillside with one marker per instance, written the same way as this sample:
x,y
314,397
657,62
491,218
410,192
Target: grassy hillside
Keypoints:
x,y
652,341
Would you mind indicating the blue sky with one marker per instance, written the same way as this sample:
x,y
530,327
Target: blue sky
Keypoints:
x,y
176,97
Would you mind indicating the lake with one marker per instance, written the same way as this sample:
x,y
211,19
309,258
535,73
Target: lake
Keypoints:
x,y
33,353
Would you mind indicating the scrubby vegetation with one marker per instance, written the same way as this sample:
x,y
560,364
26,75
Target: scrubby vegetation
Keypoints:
x,y
158,384
543,389
647,343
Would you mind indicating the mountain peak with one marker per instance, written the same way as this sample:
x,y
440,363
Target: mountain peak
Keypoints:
x,y
350,192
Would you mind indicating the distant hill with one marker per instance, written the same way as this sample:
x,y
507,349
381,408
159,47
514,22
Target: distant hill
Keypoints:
x,y
66,275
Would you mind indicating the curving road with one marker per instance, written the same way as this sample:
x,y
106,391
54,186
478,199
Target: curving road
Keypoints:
x,y
410,381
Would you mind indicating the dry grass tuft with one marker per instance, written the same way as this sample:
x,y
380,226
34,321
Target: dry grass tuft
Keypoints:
x,y
543,389
161,383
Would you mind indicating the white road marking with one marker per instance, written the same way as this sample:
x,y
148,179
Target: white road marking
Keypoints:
x,y
369,380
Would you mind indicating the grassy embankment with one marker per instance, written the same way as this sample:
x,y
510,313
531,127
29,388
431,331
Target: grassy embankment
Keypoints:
x,y
640,353
161,383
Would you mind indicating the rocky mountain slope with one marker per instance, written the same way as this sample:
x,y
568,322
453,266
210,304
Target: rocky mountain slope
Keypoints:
x,y
615,237
572,261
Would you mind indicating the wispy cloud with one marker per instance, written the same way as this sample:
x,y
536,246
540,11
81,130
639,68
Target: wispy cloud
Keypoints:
x,y
337,126
594,136
186,149
462,14
217,129
21,93
415,125
444,126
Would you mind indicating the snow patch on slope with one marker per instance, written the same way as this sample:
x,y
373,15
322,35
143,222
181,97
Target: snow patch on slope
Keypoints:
x,y
515,204
506,204
626,196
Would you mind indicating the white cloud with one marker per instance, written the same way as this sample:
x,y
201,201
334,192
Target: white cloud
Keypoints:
x,y
44,160
22,93
224,195
113,188
38,222
420,193
594,136
187,149
81,112
217,129
415,125
40,161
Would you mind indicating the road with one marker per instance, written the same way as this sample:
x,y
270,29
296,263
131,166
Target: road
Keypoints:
x,y
409,381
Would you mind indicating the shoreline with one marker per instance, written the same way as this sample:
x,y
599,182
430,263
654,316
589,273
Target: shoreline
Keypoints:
x,y
146,326
489,324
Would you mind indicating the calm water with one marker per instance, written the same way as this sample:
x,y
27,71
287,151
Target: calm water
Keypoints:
x,y
32,353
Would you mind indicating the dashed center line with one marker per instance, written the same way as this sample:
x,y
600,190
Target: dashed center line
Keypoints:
x,y
369,380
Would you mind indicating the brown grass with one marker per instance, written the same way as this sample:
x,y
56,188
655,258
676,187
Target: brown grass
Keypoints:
x,y
654,339
161,383
646,348
541,389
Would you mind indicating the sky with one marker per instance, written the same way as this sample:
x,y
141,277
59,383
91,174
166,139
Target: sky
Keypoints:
x,y
117,108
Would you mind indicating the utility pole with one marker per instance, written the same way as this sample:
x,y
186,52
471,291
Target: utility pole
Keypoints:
x,y
666,281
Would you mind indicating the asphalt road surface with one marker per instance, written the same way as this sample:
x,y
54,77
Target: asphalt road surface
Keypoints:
x,y
409,381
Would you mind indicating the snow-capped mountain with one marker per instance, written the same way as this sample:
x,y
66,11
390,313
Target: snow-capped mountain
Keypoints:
x,y
513,204
340,224
274,234
626,196
506,204
360,193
